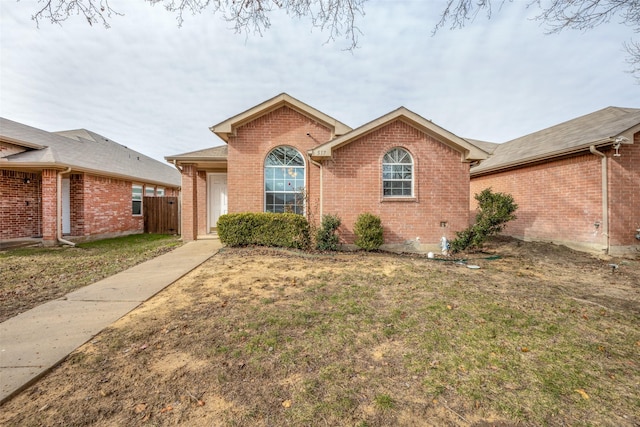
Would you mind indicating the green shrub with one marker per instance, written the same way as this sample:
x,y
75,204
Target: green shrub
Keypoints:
x,y
368,231
326,238
494,211
287,230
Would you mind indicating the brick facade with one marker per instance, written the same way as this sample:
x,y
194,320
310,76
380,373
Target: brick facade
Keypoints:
x,y
189,214
561,200
624,197
107,208
251,145
99,206
49,205
353,185
20,204
352,179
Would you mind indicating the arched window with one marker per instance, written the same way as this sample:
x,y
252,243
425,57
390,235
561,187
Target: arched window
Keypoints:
x,y
397,173
284,177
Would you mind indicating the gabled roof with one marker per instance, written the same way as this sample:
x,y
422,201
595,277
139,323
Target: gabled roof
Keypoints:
x,y
225,129
83,151
469,151
599,128
213,157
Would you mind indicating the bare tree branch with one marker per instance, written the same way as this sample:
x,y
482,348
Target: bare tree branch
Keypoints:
x,y
58,11
337,17
633,50
559,15
587,14
461,12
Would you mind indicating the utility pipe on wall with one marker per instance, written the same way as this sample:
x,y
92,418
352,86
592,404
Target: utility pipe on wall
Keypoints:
x,y
321,189
59,208
605,194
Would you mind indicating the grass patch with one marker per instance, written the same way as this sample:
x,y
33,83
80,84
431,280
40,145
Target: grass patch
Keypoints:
x,y
369,340
32,276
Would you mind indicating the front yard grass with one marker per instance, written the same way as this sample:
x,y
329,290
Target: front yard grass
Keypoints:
x,y
541,336
32,276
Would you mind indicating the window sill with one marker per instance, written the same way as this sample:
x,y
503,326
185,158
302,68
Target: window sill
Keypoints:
x,y
399,199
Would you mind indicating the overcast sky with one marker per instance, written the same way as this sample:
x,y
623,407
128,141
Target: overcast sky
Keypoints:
x,y
157,88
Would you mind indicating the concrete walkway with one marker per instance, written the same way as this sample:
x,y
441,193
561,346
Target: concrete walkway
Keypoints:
x,y
35,341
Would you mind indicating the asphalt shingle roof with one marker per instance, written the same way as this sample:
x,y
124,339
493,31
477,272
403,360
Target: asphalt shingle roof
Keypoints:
x,y
85,151
573,135
220,152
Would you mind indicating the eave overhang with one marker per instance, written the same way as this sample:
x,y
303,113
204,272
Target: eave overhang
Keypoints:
x,y
202,164
625,136
469,152
583,148
39,166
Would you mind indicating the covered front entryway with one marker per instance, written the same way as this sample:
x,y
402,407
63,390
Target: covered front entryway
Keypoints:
x,y
216,198
204,190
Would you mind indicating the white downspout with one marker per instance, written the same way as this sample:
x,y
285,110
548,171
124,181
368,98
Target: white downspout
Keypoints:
x,y
605,194
59,208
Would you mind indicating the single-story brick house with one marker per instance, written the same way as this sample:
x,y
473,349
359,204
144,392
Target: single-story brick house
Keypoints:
x,y
75,184
283,155
576,183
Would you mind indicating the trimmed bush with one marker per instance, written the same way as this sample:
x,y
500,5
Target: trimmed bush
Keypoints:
x,y
494,211
368,231
286,230
326,238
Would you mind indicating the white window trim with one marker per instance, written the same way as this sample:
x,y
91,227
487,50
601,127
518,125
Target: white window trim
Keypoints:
x,y
133,198
264,178
413,176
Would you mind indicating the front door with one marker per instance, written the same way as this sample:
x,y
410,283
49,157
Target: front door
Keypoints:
x,y
217,197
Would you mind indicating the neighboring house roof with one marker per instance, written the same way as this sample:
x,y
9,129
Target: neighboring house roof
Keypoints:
x,y
226,128
469,151
83,151
487,146
600,128
208,157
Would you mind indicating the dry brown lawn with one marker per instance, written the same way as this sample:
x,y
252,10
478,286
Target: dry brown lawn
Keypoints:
x,y
540,335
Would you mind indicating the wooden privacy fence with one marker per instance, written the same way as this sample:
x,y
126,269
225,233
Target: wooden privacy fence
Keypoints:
x,y
160,215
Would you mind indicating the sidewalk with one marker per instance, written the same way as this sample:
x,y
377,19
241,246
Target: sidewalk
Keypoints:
x,y
35,341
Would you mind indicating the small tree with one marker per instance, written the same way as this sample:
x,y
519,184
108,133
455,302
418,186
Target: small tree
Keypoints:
x,y
326,237
494,211
368,231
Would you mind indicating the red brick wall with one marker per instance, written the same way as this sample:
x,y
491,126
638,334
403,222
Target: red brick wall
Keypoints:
x,y
76,196
624,195
353,185
249,148
107,207
49,205
189,203
98,205
558,201
19,204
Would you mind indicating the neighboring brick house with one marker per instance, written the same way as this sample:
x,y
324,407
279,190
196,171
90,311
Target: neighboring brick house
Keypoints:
x,y
576,183
74,185
284,155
